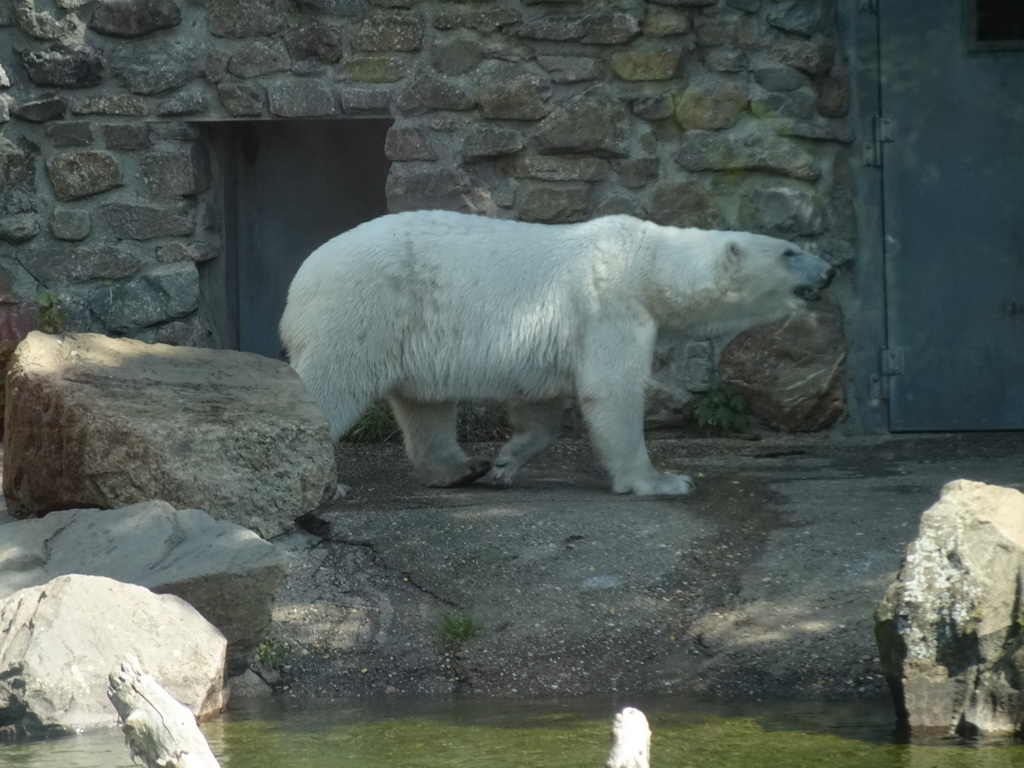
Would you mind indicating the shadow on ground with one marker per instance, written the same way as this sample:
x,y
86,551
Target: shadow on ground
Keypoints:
x,y
761,583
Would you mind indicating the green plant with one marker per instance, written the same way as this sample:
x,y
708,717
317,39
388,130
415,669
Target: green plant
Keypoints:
x,y
272,653
454,629
722,409
377,425
50,316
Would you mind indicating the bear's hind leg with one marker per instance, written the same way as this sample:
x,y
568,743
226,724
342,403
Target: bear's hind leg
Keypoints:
x,y
429,431
535,426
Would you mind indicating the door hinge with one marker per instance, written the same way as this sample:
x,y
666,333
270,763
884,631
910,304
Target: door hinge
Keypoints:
x,y
867,6
890,363
883,130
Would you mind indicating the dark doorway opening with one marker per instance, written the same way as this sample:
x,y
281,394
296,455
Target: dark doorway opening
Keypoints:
x,y
288,187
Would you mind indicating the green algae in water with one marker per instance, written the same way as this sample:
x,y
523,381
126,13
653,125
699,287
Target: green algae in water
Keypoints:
x,y
499,737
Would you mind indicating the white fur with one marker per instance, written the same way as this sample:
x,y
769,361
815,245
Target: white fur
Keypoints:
x,y
429,308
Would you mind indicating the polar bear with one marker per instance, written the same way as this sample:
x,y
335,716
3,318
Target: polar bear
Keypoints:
x,y
428,308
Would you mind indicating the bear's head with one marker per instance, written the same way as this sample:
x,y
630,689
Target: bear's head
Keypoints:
x,y
723,282
758,265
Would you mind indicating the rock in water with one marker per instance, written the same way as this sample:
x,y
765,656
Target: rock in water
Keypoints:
x,y
93,421
950,629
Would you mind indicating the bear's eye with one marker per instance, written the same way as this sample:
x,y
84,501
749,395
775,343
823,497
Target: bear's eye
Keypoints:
x,y
789,253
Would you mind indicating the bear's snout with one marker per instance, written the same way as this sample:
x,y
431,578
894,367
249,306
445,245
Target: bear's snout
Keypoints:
x,y
811,289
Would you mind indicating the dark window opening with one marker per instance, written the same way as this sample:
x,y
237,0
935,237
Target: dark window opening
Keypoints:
x,y
999,20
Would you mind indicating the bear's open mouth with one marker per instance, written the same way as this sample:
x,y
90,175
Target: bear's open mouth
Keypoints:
x,y
807,293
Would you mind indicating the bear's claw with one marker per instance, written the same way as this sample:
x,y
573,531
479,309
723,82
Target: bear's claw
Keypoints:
x,y
470,472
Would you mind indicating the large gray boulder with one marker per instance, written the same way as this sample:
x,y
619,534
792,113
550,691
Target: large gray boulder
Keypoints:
x,y
791,372
93,421
61,640
949,628
226,572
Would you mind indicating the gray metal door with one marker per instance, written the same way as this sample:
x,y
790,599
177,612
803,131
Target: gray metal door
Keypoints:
x,y
952,151
298,183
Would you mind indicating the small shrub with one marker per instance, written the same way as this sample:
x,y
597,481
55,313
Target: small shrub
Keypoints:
x,y
272,653
377,425
721,409
455,629
50,316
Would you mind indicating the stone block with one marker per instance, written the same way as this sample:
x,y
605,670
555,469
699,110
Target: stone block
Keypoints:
x,y
190,100
482,20
559,29
301,98
572,69
134,18
70,224
748,150
77,133
663,22
594,122
79,174
554,168
41,110
949,625
711,104
245,18
684,203
609,28
506,92
412,187
798,18
492,142
647,65
227,573
64,66
456,56
781,208
816,57
55,265
729,29
428,92
62,639
636,172
18,179
407,143
553,203
157,295
231,433
140,221
791,372
185,251
833,96
316,39
394,31
146,71
19,227
123,136
123,104
366,101
726,60
259,58
241,99
374,69
176,173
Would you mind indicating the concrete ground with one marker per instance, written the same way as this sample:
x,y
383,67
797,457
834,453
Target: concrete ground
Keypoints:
x,y
761,583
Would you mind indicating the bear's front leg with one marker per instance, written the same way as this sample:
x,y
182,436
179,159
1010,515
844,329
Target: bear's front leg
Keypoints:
x,y
610,389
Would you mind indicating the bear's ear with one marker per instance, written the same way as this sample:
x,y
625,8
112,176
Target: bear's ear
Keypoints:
x,y
735,254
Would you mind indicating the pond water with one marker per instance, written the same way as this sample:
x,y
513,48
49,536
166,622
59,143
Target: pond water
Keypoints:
x,y
567,734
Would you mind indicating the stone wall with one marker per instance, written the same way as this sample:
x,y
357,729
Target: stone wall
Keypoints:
x,y
714,113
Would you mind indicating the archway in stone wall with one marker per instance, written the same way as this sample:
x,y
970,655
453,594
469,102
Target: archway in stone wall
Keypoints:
x,y
286,187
